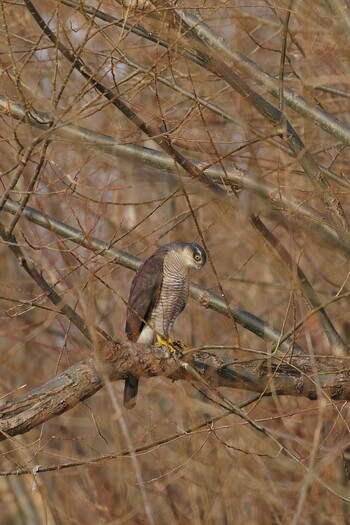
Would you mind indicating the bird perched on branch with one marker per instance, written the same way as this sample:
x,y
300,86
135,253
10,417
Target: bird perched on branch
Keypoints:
x,y
158,294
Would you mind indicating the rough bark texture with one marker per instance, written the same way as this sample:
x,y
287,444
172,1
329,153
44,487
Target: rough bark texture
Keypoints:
x,y
304,377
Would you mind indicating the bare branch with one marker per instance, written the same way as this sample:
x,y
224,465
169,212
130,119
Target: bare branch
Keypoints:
x,y
242,64
157,133
214,63
337,344
203,296
38,278
84,379
277,200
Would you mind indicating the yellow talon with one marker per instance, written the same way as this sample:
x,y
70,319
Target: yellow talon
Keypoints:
x,y
174,346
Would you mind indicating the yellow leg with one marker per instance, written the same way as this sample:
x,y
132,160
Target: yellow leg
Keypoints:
x,y
174,346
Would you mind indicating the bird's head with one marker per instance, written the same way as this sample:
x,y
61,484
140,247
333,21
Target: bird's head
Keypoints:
x,y
192,255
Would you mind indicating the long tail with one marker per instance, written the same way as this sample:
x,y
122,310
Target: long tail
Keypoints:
x,y
130,392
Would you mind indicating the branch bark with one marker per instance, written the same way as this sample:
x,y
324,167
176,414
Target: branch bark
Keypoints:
x,y
295,210
200,294
305,377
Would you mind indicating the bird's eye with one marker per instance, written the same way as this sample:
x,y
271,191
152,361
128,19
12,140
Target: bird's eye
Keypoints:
x,y
197,257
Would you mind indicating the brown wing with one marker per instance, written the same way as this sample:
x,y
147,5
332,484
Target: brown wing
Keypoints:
x,y
144,293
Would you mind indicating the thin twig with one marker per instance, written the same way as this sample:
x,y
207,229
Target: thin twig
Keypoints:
x,y
213,62
200,294
278,250
156,133
54,297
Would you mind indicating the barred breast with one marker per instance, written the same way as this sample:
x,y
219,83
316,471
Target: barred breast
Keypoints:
x,y
173,295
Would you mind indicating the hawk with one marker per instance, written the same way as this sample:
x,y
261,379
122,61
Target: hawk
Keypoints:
x,y
158,294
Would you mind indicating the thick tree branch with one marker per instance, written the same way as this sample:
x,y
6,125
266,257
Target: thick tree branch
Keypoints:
x,y
305,377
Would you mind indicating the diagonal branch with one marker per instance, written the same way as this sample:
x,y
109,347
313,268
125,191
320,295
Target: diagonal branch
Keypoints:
x,y
207,299
191,39
156,133
38,278
158,160
317,115
337,344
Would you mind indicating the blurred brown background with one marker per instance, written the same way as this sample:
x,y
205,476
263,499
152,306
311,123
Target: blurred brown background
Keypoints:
x,y
225,472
